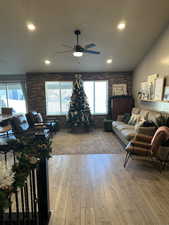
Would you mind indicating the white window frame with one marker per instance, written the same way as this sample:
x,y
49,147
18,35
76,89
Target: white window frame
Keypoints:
x,y
61,113
7,94
94,81
94,113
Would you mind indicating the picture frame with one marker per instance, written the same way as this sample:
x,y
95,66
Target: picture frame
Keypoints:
x,y
145,91
151,80
159,86
166,93
119,89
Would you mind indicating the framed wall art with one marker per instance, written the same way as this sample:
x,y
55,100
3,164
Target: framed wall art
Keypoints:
x,y
151,80
159,85
145,91
166,93
119,89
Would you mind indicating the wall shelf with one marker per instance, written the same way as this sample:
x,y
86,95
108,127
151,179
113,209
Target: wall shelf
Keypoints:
x,y
144,100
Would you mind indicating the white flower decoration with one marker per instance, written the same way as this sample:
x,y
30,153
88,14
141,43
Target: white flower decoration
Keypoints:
x,y
6,175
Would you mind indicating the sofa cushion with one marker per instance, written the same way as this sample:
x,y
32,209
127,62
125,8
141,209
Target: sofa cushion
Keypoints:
x,y
166,115
135,111
153,116
144,114
134,119
128,133
121,125
150,131
126,117
126,126
117,123
139,123
165,118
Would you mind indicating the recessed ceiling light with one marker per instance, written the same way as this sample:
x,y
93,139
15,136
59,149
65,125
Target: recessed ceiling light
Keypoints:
x,y
121,26
109,61
31,27
47,62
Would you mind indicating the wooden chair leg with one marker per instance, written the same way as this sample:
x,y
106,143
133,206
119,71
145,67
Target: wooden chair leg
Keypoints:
x,y
164,166
126,159
165,162
151,158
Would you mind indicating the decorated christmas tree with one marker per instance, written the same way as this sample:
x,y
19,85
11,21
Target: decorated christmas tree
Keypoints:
x,y
79,114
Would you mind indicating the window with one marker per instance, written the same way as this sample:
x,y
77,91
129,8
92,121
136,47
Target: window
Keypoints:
x,y
58,97
97,94
11,95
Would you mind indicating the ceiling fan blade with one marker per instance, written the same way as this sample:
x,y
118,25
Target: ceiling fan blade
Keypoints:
x,y
92,45
91,52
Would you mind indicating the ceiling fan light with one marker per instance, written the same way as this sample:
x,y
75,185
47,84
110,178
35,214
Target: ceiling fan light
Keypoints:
x,y
78,54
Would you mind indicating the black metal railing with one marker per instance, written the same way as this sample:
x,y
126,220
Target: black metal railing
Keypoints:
x,y
29,204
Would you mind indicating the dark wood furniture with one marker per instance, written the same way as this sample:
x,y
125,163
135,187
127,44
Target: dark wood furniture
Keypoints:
x,y
6,111
119,105
21,127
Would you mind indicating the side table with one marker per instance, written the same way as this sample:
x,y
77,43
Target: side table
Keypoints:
x,y
108,125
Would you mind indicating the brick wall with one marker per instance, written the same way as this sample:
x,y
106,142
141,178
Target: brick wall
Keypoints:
x,y
36,87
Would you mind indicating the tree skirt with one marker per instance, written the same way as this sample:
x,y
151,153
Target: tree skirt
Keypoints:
x,y
95,142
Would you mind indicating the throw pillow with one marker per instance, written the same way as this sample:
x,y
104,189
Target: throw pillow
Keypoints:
x,y
134,119
120,118
148,124
139,123
126,117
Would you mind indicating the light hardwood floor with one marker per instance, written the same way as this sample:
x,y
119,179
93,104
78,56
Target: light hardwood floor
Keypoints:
x,y
97,190
95,142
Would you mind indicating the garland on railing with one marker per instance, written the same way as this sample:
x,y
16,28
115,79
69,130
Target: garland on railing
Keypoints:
x,y
28,151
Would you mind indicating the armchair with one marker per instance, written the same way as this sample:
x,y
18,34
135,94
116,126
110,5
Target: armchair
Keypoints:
x,y
35,120
21,127
148,146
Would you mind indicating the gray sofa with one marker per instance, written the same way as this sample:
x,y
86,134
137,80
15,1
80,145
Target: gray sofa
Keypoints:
x,y
127,132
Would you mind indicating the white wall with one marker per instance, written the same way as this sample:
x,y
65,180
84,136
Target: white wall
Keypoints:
x,y
156,61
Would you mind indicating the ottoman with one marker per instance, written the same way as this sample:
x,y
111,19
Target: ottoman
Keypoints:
x,y
108,125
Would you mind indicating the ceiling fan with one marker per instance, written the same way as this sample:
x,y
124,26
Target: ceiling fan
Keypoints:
x,y
78,50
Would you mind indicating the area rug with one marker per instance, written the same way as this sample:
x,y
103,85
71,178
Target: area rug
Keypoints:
x,y
95,142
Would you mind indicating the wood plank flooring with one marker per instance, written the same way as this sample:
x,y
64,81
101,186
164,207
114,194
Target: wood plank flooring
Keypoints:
x,y
97,190
95,142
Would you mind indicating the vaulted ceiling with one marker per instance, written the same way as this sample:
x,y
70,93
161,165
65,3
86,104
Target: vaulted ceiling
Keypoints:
x,y
23,51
